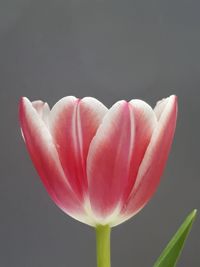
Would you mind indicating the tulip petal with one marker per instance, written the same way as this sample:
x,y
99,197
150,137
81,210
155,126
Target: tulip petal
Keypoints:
x,y
73,124
108,159
42,109
155,158
160,106
145,123
116,153
45,158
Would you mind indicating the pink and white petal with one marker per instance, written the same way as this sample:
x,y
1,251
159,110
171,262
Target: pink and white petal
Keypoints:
x,y
145,123
154,160
160,106
42,109
43,153
108,159
91,113
73,124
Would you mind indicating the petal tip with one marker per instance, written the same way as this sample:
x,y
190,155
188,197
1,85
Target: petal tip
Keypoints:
x,y
24,99
23,102
174,102
174,98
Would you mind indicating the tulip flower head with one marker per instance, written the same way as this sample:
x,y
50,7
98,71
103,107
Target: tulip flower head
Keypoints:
x,y
100,166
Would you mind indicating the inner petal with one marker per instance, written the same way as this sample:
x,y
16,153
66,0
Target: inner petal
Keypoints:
x,y
73,123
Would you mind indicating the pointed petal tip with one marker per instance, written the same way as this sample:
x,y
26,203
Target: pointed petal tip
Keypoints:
x,y
23,99
173,101
23,103
173,98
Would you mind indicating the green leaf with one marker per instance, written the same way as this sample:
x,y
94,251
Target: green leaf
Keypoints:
x,y
171,253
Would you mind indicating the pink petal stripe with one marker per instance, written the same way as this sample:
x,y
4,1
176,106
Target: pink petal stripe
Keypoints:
x,y
73,124
45,158
108,159
155,158
145,123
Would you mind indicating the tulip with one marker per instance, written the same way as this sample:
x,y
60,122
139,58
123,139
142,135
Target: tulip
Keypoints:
x,y
100,166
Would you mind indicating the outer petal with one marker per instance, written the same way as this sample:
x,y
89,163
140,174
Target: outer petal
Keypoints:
x,y
145,123
115,155
108,159
155,158
45,158
73,124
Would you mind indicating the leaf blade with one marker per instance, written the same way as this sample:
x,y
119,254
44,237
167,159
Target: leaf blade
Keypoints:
x,y
172,251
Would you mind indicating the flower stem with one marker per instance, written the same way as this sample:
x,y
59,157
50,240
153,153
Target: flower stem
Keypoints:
x,y
103,245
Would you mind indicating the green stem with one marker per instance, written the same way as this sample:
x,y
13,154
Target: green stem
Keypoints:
x,y
103,245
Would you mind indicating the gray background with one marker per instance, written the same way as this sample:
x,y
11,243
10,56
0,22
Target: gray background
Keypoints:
x,y
120,49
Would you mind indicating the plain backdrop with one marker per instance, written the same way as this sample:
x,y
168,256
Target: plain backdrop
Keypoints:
x,y
111,50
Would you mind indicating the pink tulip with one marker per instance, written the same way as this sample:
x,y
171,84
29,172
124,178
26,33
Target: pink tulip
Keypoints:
x,y
99,165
